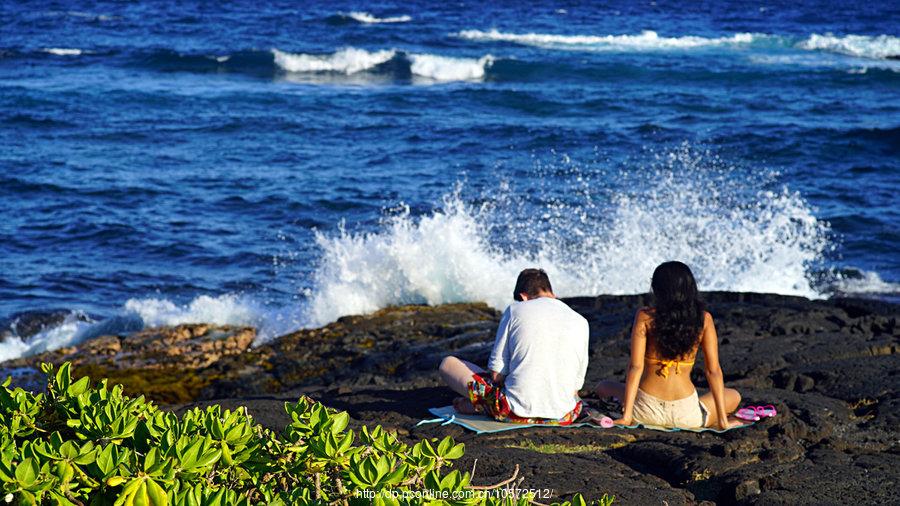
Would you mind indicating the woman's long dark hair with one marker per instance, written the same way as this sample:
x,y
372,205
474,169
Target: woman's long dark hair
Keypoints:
x,y
678,311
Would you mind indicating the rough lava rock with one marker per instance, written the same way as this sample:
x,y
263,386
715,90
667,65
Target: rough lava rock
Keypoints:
x,y
830,367
165,363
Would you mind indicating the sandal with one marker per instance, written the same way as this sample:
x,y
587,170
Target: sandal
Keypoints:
x,y
749,413
767,410
592,415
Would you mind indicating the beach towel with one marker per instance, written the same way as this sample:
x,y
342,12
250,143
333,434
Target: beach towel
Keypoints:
x,y
481,424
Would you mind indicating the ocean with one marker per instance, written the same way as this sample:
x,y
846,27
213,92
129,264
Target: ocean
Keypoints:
x,y
283,164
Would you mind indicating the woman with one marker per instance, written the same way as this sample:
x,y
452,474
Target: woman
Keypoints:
x,y
666,339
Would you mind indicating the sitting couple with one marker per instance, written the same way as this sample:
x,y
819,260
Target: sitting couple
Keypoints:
x,y
540,358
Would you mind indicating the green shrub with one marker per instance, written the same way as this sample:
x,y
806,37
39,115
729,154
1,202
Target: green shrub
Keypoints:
x,y
80,443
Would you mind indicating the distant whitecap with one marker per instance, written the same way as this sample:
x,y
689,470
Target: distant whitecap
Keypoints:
x,y
445,68
367,18
63,51
347,61
864,46
646,40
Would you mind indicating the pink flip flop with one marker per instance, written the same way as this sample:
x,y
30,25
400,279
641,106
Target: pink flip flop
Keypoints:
x,y
595,416
767,410
749,413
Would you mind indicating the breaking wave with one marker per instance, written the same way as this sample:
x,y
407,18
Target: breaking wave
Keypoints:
x,y
646,40
352,60
739,229
346,61
590,239
71,330
444,68
366,18
862,46
136,314
63,51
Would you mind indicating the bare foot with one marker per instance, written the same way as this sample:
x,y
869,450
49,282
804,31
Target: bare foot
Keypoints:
x,y
462,405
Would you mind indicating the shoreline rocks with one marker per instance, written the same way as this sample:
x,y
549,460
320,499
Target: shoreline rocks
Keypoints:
x,y
162,363
830,367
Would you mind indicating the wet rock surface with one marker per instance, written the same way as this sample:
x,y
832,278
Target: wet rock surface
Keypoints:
x,y
831,368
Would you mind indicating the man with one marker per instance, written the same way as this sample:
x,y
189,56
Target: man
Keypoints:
x,y
537,364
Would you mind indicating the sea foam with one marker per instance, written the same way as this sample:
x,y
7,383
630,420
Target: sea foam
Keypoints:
x,y
740,230
366,18
136,314
70,331
863,46
646,40
226,309
444,68
352,60
347,61
766,239
63,51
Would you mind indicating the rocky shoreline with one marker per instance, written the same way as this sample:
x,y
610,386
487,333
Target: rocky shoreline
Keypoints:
x,y
830,367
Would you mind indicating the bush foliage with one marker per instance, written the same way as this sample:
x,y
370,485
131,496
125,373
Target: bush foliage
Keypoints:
x,y
79,443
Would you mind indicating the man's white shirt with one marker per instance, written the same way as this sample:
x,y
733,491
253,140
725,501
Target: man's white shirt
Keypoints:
x,y
542,350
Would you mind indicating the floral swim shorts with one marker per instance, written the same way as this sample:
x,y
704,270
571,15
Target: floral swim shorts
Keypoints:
x,y
490,399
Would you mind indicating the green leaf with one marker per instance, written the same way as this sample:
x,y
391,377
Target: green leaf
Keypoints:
x,y
64,471
105,460
216,498
433,480
208,458
126,496
64,377
448,482
156,493
151,459
68,450
115,481
141,495
215,428
456,452
79,387
383,466
26,498
85,459
385,500
189,457
444,446
345,443
226,455
427,449
339,422
396,476
27,472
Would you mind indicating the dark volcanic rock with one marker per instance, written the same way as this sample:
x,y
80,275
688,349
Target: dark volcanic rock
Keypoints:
x,y
831,368
394,345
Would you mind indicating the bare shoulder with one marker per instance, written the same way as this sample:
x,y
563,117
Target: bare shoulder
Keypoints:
x,y
644,315
707,319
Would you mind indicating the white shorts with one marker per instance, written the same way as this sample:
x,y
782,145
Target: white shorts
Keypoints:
x,y
687,413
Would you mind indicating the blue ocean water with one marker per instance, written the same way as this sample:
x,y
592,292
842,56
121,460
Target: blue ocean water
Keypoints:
x,y
283,164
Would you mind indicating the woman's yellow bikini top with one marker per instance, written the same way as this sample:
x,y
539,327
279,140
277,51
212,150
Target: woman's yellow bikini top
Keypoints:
x,y
665,365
